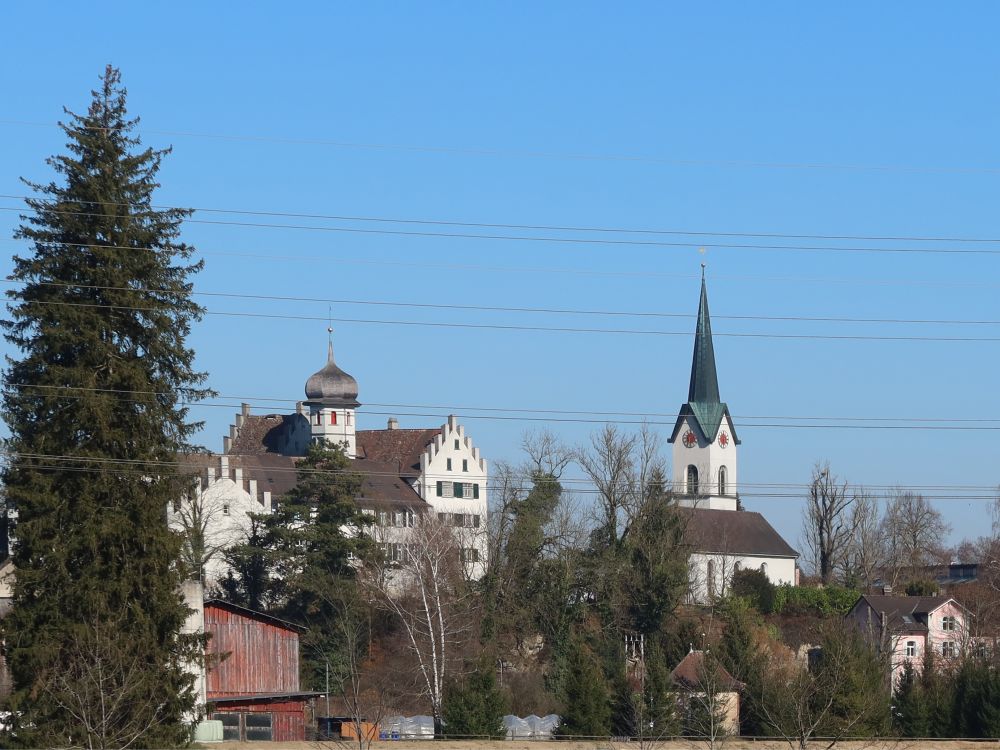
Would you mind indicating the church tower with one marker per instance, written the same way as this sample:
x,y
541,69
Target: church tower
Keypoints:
x,y
704,439
332,397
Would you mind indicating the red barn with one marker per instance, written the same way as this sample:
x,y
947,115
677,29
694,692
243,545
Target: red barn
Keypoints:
x,y
253,674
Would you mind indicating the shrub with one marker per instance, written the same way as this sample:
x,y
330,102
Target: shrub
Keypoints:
x,y
825,602
753,586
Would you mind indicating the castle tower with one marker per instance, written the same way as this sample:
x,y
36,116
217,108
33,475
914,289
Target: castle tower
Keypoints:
x,y
704,439
332,397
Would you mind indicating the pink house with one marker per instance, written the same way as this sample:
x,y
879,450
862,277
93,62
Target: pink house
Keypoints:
x,y
909,625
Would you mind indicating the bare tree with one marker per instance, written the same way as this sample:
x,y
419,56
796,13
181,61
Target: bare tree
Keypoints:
x,y
711,705
842,693
826,524
866,551
208,527
622,467
104,688
913,530
424,586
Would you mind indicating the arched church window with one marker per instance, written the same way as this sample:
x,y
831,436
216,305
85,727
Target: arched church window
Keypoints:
x,y
692,479
723,484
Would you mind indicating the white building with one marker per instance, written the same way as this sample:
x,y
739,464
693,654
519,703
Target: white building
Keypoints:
x,y
405,472
724,537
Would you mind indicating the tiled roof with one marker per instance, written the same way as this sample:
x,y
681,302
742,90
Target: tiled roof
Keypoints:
x,y
262,433
733,532
381,484
905,613
401,448
689,674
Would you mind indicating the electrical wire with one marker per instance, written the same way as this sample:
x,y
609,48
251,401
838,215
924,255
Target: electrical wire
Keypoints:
x,y
497,308
535,227
565,240
549,329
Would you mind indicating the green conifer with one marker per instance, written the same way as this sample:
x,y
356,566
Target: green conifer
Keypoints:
x,y
476,706
95,406
587,710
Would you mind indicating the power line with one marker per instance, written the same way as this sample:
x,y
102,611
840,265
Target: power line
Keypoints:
x,y
566,240
537,227
550,155
555,415
478,268
549,329
497,308
182,464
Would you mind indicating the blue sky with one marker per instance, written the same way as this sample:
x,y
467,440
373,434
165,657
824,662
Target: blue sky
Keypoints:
x,y
785,118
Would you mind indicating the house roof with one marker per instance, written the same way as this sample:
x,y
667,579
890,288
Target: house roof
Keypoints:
x,y
401,448
690,674
303,696
262,433
905,613
733,532
253,615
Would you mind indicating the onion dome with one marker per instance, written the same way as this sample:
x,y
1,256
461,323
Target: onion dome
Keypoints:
x,y
331,386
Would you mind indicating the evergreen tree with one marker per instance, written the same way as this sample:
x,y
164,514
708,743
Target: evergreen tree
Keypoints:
x,y
95,409
910,705
587,710
312,556
476,706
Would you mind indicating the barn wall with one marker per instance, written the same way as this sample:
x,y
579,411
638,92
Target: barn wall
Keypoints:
x,y
262,657
287,717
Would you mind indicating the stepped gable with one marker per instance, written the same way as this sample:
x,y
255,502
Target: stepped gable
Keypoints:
x,y
399,448
728,532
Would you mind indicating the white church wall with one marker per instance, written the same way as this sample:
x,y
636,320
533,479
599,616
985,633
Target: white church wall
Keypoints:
x,y
707,582
708,459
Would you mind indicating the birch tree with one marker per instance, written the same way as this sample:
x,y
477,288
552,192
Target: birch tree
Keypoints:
x,y
425,588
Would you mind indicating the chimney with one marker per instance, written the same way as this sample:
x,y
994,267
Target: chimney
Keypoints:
x,y
227,444
245,408
393,424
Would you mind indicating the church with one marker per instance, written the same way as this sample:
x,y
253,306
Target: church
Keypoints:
x,y
404,472
723,536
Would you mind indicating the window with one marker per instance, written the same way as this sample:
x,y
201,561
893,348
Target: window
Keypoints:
x,y
949,649
443,517
692,479
468,489
444,489
948,622
457,446
225,509
465,464
449,465
383,518
470,555
347,418
911,648
458,519
319,418
711,579
393,552
333,417
458,489
722,480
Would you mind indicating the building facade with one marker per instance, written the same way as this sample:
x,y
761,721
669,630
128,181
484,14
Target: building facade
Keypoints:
x,y
406,474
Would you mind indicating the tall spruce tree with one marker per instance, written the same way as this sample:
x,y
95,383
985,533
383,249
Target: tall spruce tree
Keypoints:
x,y
94,403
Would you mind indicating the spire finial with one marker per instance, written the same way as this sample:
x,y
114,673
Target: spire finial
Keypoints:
x,y
703,271
329,333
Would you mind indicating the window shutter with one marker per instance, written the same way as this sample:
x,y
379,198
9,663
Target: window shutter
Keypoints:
x,y
475,491
458,489
440,489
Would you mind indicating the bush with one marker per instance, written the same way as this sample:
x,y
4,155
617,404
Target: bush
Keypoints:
x,y
753,586
825,602
921,588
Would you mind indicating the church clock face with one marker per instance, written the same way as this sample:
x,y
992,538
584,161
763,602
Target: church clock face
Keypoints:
x,y
689,439
724,439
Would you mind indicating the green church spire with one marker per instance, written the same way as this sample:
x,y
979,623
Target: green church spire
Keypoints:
x,y
704,388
